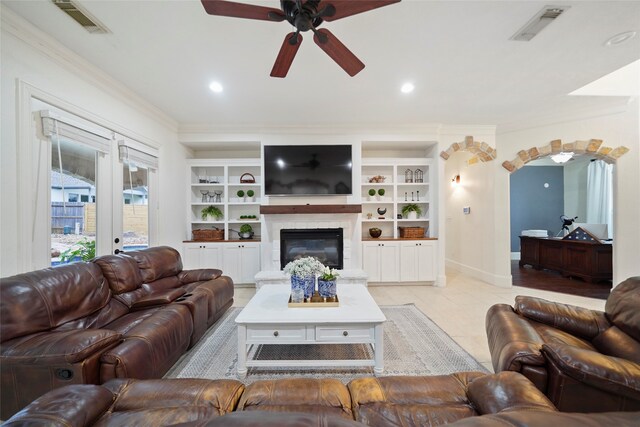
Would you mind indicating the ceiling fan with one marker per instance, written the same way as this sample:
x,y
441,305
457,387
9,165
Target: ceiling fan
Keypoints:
x,y
304,16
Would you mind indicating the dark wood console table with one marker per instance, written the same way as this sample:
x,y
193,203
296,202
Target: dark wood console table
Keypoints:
x,y
589,261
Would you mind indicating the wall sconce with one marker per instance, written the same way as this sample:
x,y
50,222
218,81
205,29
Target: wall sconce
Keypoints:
x,y
455,180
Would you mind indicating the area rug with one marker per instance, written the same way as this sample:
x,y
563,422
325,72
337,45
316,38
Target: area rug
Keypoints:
x,y
413,345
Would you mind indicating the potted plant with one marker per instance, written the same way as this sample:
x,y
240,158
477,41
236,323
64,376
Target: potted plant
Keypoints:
x,y
211,211
246,231
411,211
327,282
372,193
381,193
240,195
250,194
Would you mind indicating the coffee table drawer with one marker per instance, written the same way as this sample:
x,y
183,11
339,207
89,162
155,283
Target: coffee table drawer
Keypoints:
x,y
345,333
271,333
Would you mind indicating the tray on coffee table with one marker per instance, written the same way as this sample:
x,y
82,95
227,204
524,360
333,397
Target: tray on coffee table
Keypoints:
x,y
316,302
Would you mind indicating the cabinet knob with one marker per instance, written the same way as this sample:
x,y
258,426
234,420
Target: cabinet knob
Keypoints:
x,y
276,333
345,333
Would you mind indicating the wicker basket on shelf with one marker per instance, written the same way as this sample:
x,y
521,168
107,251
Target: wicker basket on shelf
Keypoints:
x,y
411,232
208,235
247,178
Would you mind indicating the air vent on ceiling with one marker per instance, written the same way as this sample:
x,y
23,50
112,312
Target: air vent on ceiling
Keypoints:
x,y
81,16
539,22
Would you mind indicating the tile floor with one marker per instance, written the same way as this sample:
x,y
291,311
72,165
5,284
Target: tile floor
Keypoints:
x,y
459,308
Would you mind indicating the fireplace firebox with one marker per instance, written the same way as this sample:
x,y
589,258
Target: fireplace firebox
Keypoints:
x,y
325,244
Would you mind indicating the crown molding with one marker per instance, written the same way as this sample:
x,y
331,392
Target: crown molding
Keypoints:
x,y
14,24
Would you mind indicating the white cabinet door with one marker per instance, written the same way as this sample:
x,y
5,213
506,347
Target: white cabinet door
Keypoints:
x,y
418,261
241,261
371,261
202,255
380,261
250,262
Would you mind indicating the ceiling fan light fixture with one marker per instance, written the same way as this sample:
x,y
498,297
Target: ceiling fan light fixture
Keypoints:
x,y
407,87
216,87
562,157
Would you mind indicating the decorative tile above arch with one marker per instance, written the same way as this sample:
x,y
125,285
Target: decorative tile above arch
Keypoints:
x,y
592,147
483,152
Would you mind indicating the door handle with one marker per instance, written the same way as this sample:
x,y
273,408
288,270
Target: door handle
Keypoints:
x,y
117,251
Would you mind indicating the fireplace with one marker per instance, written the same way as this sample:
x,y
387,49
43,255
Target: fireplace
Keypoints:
x,y
325,244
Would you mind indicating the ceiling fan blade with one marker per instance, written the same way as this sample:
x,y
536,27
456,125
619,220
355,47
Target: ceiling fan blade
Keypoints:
x,y
338,52
344,8
286,55
242,10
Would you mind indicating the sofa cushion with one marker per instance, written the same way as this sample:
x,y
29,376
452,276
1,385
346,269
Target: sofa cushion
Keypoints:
x,y
44,299
412,401
121,271
158,262
317,396
622,307
616,343
275,419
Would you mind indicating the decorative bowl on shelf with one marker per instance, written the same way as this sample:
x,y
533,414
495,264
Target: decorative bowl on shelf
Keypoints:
x,y
375,232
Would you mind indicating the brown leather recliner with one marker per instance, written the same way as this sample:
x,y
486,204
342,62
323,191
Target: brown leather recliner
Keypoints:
x,y
583,360
86,323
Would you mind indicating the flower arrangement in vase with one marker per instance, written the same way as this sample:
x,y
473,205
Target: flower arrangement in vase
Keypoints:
x,y
303,274
327,282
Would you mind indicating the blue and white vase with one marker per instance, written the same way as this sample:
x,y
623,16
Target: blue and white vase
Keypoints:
x,y
307,284
327,288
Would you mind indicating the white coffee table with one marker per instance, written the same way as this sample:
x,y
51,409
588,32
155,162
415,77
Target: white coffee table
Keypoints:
x,y
267,319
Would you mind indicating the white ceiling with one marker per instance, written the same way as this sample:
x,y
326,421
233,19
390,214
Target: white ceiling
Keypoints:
x,y
457,53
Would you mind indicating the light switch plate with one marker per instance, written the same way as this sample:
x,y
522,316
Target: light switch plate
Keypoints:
x,y
466,210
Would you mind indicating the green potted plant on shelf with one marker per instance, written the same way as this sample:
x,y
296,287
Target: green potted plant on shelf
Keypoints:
x,y
246,231
250,194
411,211
372,193
240,195
211,211
381,193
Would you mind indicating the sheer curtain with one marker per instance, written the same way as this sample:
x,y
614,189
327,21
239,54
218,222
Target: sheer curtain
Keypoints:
x,y
600,194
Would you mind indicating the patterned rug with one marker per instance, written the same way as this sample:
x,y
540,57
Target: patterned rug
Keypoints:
x,y
413,345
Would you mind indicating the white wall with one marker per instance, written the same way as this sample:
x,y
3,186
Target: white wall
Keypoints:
x,y
616,127
31,59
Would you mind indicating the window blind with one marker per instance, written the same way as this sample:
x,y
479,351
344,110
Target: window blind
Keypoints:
x,y
138,153
77,130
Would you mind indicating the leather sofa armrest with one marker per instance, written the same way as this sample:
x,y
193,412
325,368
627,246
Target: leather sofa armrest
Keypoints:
x,y
507,392
72,405
572,319
157,298
513,341
53,347
611,374
198,275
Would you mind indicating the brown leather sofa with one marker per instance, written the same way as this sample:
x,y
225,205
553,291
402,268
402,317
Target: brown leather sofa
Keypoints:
x,y
462,399
583,360
120,316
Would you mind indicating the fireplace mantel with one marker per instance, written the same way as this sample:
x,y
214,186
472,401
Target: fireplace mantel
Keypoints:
x,y
310,209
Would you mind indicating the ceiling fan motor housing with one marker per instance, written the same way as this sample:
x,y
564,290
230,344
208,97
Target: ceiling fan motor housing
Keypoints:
x,y
304,18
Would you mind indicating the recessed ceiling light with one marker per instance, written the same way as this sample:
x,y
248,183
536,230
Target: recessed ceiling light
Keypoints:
x,y
407,88
215,87
620,38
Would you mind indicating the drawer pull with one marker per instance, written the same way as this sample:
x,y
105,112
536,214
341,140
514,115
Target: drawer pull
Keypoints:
x,y
345,333
275,333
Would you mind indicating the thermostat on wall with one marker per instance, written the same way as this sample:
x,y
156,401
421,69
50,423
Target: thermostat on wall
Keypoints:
x,y
466,210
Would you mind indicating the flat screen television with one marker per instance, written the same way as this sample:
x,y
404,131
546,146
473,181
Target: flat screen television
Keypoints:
x,y
307,170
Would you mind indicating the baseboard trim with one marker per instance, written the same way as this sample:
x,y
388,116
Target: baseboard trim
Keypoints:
x,y
490,278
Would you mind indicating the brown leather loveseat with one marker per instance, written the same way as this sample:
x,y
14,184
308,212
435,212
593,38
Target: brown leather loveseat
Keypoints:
x,y
583,360
460,399
120,316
